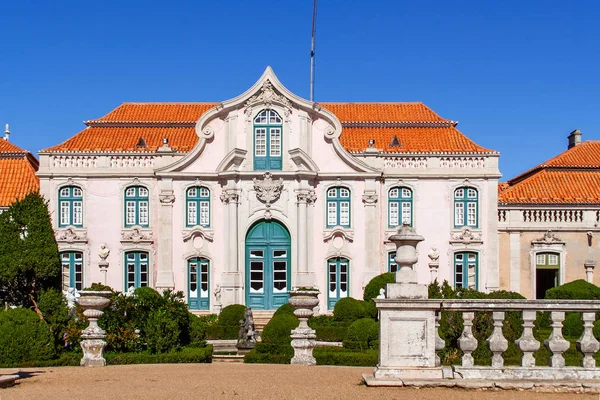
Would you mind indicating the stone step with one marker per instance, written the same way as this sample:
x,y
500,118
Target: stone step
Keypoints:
x,y
223,346
227,358
262,318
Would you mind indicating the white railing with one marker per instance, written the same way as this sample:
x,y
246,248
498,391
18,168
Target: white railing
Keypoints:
x,y
131,161
462,162
502,215
553,215
74,161
405,162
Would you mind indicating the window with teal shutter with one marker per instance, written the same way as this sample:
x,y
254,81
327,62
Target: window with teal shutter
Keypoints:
x,y
137,269
466,270
198,206
400,207
70,206
338,272
72,269
268,140
338,207
466,207
137,209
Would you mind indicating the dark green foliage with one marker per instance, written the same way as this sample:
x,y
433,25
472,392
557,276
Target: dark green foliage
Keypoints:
x,y
97,286
24,337
198,327
162,331
284,309
29,259
278,329
377,283
53,307
228,324
328,329
575,290
363,334
340,356
349,310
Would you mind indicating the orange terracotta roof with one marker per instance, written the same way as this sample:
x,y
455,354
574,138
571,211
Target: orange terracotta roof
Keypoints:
x,y
584,155
17,173
116,139
417,127
555,187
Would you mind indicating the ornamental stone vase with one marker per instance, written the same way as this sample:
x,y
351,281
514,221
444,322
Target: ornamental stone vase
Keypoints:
x,y
303,301
93,302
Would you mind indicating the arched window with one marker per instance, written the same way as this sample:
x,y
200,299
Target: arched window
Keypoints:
x,y
70,204
268,129
198,206
466,270
338,272
338,207
400,207
392,266
136,206
547,276
198,284
72,269
137,269
465,207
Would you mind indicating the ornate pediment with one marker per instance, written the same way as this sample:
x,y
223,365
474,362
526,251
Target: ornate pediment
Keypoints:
x,y
548,238
136,235
267,97
466,236
71,235
338,231
198,231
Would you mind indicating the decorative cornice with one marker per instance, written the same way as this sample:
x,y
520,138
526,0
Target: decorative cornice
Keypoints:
x,y
466,236
136,235
345,233
230,196
548,238
306,197
167,197
267,97
71,235
207,234
370,197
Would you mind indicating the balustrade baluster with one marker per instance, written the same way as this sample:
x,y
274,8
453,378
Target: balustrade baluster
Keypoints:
x,y
556,343
467,341
439,342
587,343
527,342
497,342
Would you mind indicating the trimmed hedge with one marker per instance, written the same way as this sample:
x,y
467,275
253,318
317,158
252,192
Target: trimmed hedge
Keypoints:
x,y
331,333
275,347
575,290
349,310
363,334
186,355
340,356
376,284
228,324
24,337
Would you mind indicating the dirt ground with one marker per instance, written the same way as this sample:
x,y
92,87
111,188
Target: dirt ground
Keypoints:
x,y
230,381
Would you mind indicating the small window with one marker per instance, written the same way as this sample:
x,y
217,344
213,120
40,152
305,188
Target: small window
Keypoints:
x,y
337,276
338,207
72,270
400,207
70,206
465,207
137,269
465,270
198,206
137,206
268,141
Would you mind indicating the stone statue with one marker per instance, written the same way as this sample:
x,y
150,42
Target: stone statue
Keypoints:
x,y
434,255
71,295
130,291
104,252
218,294
246,334
381,294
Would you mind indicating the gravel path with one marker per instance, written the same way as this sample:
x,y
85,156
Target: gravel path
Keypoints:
x,y
231,381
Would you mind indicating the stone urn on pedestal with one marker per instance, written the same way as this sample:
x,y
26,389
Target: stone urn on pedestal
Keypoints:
x,y
93,302
303,301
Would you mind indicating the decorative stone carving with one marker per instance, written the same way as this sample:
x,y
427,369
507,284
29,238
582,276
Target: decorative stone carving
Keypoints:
x,y
338,231
527,343
589,266
548,238
71,295
247,334
198,231
587,343
229,197
405,162
466,236
268,97
370,198
71,235
497,342
439,342
166,197
467,341
308,197
103,252
303,337
136,235
433,254
556,343
93,302
268,191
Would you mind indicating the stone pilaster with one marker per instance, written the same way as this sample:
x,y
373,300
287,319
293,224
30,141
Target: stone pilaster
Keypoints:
x,y
164,276
231,279
372,235
304,277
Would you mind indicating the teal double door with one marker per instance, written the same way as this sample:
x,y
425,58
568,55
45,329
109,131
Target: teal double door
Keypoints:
x,y
267,265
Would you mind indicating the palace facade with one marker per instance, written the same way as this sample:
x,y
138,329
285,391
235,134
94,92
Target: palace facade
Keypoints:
x,y
239,201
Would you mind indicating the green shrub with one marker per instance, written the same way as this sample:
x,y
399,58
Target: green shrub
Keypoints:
x,y
340,356
331,333
370,309
373,287
575,290
185,355
284,309
228,322
198,327
53,307
349,310
363,334
275,347
24,337
162,332
279,328
99,287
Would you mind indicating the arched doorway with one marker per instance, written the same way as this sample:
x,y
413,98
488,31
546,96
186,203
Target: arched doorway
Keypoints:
x,y
267,265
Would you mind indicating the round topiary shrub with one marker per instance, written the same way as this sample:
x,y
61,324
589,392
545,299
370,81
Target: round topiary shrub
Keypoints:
x,y
24,337
53,307
279,328
376,284
363,334
228,324
349,310
284,309
162,332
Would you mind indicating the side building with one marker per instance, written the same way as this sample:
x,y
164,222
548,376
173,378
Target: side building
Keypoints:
x,y
548,221
239,201
17,173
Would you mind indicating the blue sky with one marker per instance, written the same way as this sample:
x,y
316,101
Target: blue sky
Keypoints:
x,y
517,75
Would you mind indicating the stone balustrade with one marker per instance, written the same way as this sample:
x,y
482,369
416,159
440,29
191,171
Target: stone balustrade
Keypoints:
x,y
527,343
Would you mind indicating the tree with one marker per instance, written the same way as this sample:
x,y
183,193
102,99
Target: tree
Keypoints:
x,y
29,260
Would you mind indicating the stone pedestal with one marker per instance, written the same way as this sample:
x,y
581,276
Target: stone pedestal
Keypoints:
x,y
103,265
303,337
93,302
407,337
589,270
434,266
